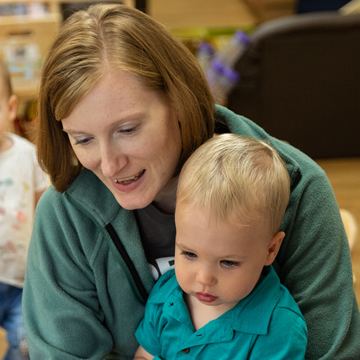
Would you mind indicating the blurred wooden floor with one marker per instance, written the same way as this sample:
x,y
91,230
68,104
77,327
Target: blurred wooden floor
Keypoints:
x,y
3,343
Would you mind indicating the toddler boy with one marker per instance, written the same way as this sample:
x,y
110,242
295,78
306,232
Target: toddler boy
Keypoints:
x,y
224,300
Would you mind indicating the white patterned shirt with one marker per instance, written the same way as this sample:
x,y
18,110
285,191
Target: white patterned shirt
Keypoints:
x,y
20,177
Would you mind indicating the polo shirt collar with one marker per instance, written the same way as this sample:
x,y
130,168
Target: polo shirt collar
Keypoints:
x,y
251,315
254,312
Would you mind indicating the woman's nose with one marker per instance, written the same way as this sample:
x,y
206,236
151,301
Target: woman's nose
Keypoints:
x,y
205,276
112,161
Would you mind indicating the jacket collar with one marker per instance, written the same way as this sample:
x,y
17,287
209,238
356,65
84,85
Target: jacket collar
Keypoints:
x,y
103,207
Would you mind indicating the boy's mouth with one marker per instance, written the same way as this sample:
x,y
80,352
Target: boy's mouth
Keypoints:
x,y
205,297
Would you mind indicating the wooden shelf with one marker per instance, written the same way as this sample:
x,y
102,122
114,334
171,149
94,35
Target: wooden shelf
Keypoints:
x,y
38,31
21,35
217,13
30,19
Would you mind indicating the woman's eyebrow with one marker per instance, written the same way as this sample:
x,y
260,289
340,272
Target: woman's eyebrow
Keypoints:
x,y
115,123
72,132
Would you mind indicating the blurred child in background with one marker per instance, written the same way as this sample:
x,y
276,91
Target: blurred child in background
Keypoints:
x,y
21,184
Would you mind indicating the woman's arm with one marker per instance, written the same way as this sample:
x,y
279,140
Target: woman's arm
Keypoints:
x,y
62,313
314,263
314,260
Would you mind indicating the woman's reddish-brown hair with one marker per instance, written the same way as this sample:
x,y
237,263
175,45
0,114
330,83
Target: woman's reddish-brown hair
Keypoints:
x,y
117,37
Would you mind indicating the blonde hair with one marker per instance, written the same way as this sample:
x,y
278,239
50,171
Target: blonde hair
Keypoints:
x,y
109,38
235,175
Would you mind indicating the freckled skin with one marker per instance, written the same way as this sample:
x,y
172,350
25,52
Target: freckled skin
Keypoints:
x,y
135,131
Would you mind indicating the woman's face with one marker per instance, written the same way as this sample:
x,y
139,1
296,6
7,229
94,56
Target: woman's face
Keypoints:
x,y
130,138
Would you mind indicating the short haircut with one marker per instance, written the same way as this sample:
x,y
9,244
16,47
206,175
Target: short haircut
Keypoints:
x,y
5,78
109,37
236,175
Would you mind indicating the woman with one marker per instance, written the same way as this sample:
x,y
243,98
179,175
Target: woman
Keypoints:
x,y
122,106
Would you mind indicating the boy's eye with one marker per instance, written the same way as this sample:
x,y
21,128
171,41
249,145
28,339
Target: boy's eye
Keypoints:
x,y
128,131
189,255
229,263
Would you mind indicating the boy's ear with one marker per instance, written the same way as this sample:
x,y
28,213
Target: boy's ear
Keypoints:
x,y
12,104
274,247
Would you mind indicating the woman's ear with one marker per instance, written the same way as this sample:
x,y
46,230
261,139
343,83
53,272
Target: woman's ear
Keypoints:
x,y
12,105
274,247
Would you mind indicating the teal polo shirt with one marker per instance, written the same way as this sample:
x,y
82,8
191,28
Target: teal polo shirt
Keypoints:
x,y
267,324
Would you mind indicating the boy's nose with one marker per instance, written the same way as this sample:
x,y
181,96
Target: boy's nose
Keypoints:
x,y
206,277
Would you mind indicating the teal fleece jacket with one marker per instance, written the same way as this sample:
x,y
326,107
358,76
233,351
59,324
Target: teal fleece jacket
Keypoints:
x,y
81,302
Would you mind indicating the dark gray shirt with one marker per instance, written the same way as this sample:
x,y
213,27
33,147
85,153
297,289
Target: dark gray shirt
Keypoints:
x,y
157,232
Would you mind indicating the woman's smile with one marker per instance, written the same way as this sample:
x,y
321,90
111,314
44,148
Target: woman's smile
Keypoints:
x,y
130,179
129,184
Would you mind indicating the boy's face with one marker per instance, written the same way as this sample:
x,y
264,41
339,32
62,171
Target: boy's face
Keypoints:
x,y
219,263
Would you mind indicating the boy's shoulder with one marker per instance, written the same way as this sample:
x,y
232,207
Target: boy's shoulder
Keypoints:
x,y
263,305
281,295
164,287
286,313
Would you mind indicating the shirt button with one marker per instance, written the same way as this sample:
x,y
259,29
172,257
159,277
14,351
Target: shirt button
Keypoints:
x,y
186,351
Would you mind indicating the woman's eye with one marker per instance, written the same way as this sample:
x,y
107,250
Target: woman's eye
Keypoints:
x,y
82,141
229,264
189,255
